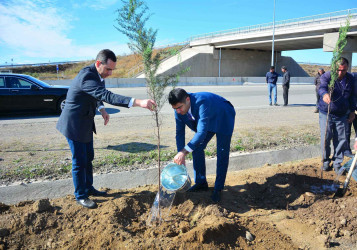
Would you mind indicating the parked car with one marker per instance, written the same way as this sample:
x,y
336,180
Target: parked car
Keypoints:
x,y
23,92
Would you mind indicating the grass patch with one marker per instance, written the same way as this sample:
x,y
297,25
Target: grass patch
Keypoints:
x,y
33,164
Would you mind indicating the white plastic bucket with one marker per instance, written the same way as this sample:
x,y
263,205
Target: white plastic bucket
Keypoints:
x,y
174,177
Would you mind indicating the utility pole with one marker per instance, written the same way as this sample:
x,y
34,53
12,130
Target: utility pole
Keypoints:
x,y
272,46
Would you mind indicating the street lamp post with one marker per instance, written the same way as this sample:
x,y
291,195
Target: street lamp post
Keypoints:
x,y
272,45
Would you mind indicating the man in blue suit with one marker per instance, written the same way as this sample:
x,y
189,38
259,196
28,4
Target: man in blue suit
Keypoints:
x,y
86,94
207,114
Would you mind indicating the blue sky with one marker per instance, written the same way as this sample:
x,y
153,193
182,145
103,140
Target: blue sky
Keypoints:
x,y
34,31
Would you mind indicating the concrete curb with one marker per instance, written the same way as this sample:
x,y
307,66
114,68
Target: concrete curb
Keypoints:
x,y
122,180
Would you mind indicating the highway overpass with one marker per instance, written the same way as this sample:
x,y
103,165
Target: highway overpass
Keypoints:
x,y
246,51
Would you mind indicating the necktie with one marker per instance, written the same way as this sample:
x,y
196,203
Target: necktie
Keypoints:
x,y
190,117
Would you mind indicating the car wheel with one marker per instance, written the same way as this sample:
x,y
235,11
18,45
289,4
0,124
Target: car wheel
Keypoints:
x,y
60,104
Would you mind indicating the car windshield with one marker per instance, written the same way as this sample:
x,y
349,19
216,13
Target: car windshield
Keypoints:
x,y
43,84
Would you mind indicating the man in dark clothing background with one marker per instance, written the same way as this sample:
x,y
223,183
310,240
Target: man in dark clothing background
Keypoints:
x,y
317,82
286,84
348,151
271,79
342,106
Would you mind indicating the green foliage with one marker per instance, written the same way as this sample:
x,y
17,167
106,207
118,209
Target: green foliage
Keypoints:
x,y
338,50
238,146
132,19
137,158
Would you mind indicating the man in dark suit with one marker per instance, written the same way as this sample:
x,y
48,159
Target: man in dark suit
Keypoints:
x,y
317,83
86,93
285,84
207,114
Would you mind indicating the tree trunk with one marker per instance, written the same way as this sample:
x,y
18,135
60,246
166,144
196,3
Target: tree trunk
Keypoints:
x,y
326,126
158,159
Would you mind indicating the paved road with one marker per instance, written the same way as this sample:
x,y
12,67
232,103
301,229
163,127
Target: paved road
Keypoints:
x,y
242,97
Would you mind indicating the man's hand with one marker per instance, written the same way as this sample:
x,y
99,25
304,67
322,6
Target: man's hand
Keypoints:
x,y
326,98
351,117
105,116
146,103
180,158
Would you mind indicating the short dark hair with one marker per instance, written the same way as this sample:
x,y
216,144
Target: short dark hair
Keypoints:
x,y
106,54
343,61
284,67
272,67
177,95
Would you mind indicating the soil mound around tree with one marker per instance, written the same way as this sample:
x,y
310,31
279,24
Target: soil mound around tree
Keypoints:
x,y
272,207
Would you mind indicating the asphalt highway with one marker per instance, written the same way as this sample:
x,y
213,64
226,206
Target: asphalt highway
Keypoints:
x,y
242,97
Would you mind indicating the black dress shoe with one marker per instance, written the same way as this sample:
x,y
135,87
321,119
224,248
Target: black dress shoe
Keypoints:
x,y
216,196
96,192
87,203
199,187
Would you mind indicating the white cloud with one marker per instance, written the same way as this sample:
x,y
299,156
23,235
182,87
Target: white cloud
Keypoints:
x,y
34,28
38,29
94,4
99,4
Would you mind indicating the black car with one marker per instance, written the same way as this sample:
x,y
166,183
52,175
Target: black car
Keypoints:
x,y
23,92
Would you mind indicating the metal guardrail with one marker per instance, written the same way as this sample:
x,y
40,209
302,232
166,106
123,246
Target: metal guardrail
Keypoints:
x,y
36,64
289,23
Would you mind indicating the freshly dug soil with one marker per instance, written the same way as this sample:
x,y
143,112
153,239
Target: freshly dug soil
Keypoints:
x,y
271,207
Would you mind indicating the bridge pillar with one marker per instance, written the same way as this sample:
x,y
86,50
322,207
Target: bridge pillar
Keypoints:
x,y
329,43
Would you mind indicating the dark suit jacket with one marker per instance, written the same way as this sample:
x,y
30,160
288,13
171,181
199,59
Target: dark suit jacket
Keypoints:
x,y
212,113
85,94
286,79
342,100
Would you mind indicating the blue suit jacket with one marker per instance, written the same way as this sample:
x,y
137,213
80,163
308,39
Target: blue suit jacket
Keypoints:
x,y
212,113
85,94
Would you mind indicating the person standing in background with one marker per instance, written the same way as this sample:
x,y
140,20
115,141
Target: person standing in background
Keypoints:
x,y
286,84
348,151
271,79
317,82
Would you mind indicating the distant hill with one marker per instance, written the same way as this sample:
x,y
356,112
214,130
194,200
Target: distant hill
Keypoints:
x,y
70,70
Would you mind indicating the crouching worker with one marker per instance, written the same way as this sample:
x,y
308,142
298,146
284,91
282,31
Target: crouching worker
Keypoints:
x,y
207,114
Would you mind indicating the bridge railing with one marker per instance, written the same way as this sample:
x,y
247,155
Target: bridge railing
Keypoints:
x,y
284,24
